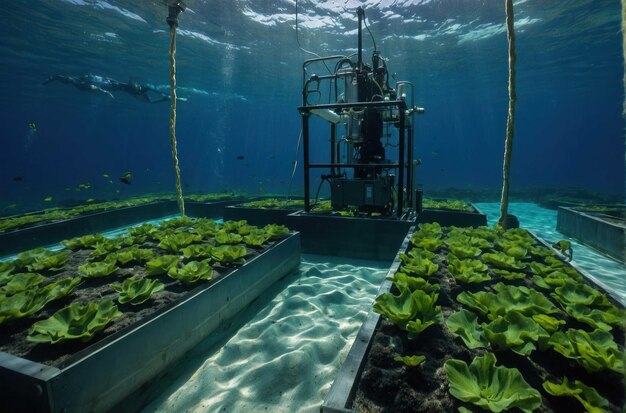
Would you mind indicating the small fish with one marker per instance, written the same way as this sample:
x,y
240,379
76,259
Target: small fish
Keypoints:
x,y
10,206
68,188
19,179
240,158
48,199
106,176
126,178
90,200
117,191
32,126
435,152
110,181
84,186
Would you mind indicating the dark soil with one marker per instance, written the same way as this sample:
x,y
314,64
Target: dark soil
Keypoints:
x,y
391,387
13,333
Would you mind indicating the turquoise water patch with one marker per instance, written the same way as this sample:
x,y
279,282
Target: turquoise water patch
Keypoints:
x,y
286,355
542,222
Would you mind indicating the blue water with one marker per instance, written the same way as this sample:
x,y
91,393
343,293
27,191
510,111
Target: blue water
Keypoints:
x,y
239,66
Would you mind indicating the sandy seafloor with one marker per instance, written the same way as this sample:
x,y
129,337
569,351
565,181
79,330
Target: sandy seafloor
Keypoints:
x,y
284,352
542,222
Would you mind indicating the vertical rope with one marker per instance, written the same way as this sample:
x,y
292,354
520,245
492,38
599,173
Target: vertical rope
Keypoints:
x,y
510,121
179,190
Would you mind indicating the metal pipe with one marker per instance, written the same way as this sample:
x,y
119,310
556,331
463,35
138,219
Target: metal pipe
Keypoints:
x,y
354,165
305,154
401,169
378,104
360,13
333,139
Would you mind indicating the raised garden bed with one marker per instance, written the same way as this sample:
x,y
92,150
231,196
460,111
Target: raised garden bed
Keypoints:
x,y
200,275
539,317
263,211
602,228
51,232
355,237
451,213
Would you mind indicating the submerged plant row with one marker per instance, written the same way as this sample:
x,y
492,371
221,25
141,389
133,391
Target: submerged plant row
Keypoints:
x,y
58,213
482,319
97,283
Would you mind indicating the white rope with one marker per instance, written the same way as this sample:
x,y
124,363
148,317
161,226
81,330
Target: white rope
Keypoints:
x,y
510,121
179,190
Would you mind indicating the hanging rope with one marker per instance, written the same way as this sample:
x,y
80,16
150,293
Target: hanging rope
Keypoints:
x,y
173,22
510,121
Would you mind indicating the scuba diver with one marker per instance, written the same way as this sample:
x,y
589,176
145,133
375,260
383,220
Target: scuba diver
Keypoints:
x,y
105,85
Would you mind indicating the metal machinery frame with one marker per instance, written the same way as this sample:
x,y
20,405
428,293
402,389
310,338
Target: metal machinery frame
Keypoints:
x,y
365,104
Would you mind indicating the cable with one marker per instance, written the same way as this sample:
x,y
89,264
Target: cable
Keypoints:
x,y
371,35
295,165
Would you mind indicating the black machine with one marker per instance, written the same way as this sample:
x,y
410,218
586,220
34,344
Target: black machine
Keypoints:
x,y
361,176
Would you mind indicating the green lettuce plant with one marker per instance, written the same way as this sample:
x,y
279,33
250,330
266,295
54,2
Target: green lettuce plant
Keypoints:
x,y
84,242
503,261
21,282
587,396
411,311
467,271
570,294
97,269
197,251
31,301
137,290
598,319
410,361
275,203
450,204
105,247
223,237
428,243
548,323
418,254
565,248
507,298
26,258
162,264
143,230
491,387
427,313
192,272
595,351
509,275
49,262
403,281
255,239
180,222
464,324
177,241
274,231
516,332
74,322
130,255
464,251
417,266
205,228
428,229
229,254
233,226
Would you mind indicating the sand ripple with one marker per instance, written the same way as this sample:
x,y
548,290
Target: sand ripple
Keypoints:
x,y
286,356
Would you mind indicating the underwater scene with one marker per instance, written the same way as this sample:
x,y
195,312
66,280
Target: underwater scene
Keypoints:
x,y
312,205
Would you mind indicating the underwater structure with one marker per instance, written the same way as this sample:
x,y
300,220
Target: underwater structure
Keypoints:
x,y
162,249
